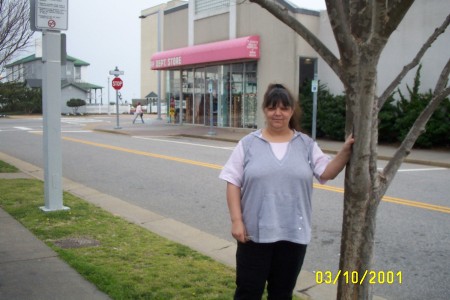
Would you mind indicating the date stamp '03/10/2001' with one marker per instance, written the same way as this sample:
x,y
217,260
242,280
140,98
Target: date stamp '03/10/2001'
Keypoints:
x,y
355,277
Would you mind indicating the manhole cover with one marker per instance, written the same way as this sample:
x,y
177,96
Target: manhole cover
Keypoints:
x,y
78,242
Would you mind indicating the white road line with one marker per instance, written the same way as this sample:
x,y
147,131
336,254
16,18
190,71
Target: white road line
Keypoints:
x,y
63,131
23,128
183,143
424,169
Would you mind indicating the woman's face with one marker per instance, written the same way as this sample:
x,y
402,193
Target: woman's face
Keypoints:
x,y
278,117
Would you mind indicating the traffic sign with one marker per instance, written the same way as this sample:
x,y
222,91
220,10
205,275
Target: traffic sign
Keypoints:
x,y
49,15
117,83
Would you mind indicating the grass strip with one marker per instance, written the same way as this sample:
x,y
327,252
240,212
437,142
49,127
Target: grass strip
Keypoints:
x,y
7,168
128,262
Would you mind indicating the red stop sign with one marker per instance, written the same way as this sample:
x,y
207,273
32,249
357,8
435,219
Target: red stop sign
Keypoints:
x,y
117,83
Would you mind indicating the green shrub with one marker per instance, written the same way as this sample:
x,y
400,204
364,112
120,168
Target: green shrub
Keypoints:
x,y
15,97
387,121
330,113
395,118
75,104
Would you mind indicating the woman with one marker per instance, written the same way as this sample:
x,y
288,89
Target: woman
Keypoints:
x,y
138,112
269,186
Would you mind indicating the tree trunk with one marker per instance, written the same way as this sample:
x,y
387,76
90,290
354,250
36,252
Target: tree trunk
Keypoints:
x,y
361,184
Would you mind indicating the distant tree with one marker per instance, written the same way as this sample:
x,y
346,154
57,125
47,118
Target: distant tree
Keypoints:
x,y
75,104
362,30
15,32
16,97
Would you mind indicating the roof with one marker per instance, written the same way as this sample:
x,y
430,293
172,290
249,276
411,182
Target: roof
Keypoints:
x,y
152,95
77,62
85,86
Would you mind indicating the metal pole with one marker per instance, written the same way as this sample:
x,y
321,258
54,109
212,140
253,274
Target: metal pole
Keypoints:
x,y
109,113
314,120
117,110
51,108
159,71
211,119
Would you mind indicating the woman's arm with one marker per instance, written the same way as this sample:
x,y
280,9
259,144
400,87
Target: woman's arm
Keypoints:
x,y
234,206
337,164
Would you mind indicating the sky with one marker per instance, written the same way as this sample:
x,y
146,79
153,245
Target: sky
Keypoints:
x,y
106,34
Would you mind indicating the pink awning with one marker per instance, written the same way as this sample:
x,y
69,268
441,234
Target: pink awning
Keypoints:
x,y
241,48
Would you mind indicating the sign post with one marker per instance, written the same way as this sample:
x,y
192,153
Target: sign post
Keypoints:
x,y
314,88
117,84
50,16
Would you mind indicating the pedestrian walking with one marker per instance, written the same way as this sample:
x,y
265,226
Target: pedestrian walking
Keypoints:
x,y
138,113
269,179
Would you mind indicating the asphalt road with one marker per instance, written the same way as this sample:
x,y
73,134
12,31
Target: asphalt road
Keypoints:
x,y
178,178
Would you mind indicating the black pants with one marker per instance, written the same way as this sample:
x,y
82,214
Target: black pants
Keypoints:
x,y
277,263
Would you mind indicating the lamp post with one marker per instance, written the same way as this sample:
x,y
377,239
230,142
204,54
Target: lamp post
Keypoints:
x,y
158,12
108,97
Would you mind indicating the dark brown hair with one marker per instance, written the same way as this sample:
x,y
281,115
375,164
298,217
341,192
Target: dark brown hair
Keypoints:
x,y
277,94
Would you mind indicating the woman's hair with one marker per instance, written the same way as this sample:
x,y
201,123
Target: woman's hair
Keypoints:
x,y
139,103
277,94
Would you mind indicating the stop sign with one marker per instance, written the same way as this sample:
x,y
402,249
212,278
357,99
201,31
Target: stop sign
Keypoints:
x,y
117,83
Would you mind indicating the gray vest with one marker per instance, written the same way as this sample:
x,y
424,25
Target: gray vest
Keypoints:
x,y
276,194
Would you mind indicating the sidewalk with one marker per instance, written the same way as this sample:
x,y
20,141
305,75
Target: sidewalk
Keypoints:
x,y
31,270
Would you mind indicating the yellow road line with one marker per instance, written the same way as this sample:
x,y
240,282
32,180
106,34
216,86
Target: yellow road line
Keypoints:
x,y
423,205
219,167
166,157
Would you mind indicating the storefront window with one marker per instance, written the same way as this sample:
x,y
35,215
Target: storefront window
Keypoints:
x,y
225,94
250,101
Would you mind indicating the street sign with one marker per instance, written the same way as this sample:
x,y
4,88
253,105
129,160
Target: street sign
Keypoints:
x,y
49,14
117,83
314,86
116,72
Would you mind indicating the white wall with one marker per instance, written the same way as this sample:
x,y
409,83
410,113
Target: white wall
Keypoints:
x,y
418,24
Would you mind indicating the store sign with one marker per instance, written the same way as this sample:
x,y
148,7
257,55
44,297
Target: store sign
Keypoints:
x,y
168,62
241,48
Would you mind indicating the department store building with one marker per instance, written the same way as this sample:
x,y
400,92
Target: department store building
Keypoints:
x,y
218,56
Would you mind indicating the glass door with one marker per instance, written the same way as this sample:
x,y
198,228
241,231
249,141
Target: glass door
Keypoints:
x,y
236,95
199,96
211,78
188,91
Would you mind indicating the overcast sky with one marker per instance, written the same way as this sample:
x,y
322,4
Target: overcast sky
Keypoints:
x,y
106,34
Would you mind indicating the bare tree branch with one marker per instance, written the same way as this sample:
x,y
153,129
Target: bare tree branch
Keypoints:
x,y
396,11
440,93
339,21
280,13
390,89
15,32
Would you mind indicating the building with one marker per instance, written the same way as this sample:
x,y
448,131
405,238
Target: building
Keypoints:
x,y
29,70
218,56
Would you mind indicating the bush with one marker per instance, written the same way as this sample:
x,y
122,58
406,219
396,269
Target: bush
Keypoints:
x,y
395,118
437,130
75,104
330,113
15,97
